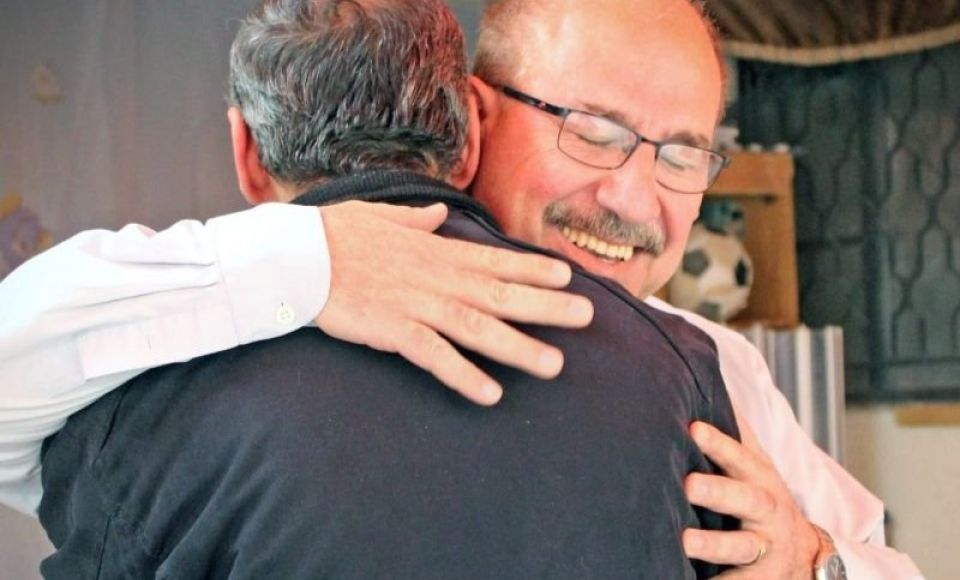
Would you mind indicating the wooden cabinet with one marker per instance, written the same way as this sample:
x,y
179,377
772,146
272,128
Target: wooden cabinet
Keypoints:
x,y
762,184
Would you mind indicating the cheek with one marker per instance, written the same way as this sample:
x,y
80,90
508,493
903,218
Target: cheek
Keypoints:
x,y
526,211
534,185
680,211
679,215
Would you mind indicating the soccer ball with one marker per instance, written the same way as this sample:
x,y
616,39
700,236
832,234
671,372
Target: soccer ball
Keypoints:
x,y
715,276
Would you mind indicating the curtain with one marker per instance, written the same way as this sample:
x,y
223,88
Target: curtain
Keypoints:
x,y
818,32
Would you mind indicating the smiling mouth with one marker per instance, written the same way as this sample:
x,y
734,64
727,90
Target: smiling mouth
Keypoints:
x,y
601,248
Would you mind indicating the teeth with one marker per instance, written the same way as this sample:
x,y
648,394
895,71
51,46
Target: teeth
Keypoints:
x,y
597,246
582,239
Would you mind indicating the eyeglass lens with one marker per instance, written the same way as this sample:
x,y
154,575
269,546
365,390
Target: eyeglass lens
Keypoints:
x,y
605,144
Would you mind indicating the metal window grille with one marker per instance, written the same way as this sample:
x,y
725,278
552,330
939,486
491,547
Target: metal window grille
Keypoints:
x,y
878,209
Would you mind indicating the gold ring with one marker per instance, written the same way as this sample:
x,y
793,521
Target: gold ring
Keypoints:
x,y
760,554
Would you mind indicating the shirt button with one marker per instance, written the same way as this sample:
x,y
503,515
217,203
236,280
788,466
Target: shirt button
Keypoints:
x,y
285,314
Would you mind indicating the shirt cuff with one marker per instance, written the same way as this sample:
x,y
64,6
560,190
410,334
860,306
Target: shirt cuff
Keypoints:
x,y
275,266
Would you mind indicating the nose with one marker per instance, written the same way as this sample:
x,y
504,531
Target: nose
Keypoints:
x,y
632,192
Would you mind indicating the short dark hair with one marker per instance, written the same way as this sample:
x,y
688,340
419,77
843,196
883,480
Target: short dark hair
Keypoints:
x,y
331,87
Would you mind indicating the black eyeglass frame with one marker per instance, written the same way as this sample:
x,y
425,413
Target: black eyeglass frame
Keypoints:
x,y
564,112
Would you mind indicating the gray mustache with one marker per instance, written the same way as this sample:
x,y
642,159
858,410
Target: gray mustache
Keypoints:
x,y
607,225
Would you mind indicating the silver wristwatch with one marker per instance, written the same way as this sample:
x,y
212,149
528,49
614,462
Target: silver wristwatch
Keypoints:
x,y
828,565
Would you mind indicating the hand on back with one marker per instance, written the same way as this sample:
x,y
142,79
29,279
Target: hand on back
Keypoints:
x,y
397,287
775,540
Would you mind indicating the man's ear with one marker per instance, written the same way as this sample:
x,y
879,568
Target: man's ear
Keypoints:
x,y
254,181
462,176
488,103
481,100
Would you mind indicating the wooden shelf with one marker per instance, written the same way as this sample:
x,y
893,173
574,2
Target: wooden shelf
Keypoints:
x,y
929,415
765,175
762,184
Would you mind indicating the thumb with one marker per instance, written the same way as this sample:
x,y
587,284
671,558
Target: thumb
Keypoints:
x,y
422,218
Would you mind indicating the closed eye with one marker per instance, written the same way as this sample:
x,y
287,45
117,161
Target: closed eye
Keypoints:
x,y
596,141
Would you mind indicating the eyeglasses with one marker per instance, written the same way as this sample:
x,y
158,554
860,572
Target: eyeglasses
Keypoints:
x,y
606,144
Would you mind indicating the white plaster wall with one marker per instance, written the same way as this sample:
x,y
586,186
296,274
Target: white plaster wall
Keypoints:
x,y
916,471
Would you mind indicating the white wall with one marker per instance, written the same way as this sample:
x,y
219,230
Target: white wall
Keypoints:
x,y
916,471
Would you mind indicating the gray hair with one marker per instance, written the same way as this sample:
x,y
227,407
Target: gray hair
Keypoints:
x,y
500,48
331,87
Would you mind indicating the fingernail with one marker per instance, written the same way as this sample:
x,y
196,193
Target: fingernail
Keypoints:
x,y
581,309
562,271
699,490
693,540
551,363
491,392
700,432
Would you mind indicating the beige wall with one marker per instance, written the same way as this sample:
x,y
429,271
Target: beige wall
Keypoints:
x,y
916,471
23,544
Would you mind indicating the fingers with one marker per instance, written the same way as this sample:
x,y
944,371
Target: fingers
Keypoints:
x,y
520,303
422,218
739,548
507,265
523,268
355,321
531,305
428,350
397,287
752,490
725,451
481,332
729,496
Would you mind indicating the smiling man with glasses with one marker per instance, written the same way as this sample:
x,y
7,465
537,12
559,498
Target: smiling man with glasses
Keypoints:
x,y
599,154
597,118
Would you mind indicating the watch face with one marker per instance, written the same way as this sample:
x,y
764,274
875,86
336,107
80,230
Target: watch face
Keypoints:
x,y
833,569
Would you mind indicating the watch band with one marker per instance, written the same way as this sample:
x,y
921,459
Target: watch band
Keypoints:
x,y
827,565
